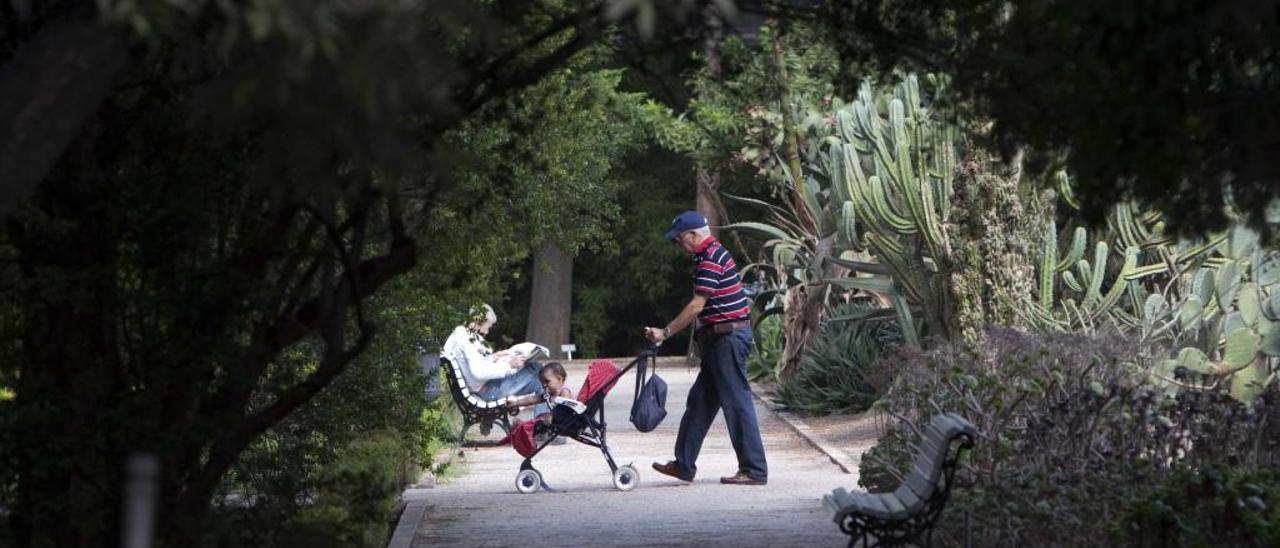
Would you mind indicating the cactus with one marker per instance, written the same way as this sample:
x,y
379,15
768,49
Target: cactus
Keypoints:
x,y
892,206
1226,323
896,164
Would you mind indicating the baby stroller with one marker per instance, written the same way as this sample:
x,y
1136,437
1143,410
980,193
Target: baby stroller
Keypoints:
x,y
582,421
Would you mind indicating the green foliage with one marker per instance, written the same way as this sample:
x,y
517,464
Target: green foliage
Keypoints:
x,y
837,372
639,279
590,319
965,272
1214,506
361,487
903,201
349,499
1215,321
212,234
766,360
555,146
733,115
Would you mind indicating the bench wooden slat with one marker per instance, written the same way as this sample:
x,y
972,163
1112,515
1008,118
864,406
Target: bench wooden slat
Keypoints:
x,y
859,513
869,504
839,498
893,507
910,501
930,454
831,504
920,483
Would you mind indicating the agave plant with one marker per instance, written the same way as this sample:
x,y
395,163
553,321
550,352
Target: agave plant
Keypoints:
x,y
811,261
839,367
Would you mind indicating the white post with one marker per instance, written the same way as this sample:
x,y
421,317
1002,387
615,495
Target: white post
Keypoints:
x,y
568,350
141,488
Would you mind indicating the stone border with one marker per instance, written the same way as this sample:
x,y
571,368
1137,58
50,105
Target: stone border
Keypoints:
x,y
838,456
410,518
415,497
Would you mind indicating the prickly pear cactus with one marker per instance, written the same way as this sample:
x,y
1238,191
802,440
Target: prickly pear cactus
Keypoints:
x,y
1226,325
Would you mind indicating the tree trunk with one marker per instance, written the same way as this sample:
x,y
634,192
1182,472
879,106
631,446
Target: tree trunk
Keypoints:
x,y
802,317
791,140
70,458
551,305
707,179
708,197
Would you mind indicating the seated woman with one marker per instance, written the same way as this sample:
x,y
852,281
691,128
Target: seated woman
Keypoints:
x,y
491,375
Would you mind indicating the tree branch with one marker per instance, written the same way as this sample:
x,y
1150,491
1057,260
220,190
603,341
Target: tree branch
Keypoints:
x,y
473,97
48,91
327,313
492,68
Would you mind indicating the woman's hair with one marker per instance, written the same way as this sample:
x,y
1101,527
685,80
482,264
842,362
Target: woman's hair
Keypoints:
x,y
555,368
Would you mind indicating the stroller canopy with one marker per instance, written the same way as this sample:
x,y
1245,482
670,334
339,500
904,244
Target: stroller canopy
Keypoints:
x,y
601,376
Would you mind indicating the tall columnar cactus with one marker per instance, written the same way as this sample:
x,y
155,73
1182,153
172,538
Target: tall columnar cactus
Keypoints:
x,y
935,225
898,202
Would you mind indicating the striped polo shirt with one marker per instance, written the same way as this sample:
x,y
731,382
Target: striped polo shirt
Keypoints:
x,y
717,279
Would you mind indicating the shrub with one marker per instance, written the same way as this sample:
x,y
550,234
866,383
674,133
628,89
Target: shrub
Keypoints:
x,y
350,500
1208,507
1070,434
835,373
355,496
767,356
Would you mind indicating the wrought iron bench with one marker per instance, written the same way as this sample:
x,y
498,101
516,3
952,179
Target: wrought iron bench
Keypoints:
x,y
909,513
475,410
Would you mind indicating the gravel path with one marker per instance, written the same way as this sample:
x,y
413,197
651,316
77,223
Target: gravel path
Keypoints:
x,y
482,508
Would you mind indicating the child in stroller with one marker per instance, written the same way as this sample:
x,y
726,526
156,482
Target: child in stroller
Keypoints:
x,y
582,421
554,391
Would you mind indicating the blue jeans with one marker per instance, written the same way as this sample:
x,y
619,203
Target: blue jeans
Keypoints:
x,y
722,385
524,381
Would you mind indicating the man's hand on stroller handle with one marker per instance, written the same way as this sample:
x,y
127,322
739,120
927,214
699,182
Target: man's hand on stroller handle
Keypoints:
x,y
655,335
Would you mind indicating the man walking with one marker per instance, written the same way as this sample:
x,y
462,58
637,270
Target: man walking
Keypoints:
x,y
722,314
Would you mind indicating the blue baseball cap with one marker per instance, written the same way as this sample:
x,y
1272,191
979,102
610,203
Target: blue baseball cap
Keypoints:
x,y
688,220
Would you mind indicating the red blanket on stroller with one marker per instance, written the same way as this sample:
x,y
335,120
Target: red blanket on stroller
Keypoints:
x,y
601,376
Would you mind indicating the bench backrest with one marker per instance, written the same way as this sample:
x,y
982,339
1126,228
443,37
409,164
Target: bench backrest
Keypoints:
x,y
462,395
934,454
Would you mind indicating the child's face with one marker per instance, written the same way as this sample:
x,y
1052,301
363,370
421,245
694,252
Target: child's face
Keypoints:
x,y
552,382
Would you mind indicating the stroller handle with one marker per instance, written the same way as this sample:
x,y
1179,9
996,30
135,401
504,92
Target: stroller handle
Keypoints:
x,y
649,350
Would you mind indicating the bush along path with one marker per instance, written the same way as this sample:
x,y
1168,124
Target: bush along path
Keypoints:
x,y
482,507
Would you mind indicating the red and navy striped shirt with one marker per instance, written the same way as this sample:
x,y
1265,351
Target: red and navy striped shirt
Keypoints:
x,y
717,279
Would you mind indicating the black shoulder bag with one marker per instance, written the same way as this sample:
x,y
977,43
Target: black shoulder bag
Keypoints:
x,y
650,404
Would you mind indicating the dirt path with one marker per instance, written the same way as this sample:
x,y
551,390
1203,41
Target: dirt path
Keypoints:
x,y
482,508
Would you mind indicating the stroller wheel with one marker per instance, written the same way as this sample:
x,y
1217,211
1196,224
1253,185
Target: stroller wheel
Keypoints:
x,y
626,478
528,481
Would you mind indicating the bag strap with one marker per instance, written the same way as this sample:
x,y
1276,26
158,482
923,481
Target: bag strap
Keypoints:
x,y
643,366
